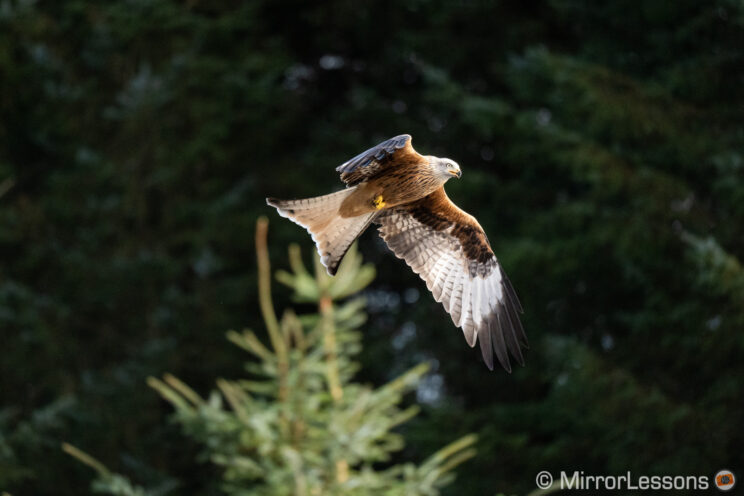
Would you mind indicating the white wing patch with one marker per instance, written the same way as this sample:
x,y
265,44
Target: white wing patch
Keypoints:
x,y
478,296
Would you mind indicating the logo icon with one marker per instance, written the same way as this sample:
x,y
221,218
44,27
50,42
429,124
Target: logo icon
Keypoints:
x,y
544,480
725,480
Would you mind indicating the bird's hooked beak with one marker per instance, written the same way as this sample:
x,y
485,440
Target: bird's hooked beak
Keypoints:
x,y
456,172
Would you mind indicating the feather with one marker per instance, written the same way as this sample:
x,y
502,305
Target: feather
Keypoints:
x,y
484,338
466,311
395,152
463,275
332,233
456,297
495,329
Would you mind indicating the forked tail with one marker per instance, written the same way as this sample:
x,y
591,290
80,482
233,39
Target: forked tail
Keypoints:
x,y
332,233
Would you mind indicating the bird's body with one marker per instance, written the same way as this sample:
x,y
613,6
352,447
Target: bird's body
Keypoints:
x,y
403,192
396,187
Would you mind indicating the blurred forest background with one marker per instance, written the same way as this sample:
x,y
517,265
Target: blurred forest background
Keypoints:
x,y
602,150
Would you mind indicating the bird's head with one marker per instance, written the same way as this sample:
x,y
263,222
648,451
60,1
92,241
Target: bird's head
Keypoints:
x,y
446,168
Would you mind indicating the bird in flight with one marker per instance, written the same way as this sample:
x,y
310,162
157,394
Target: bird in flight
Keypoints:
x,y
403,192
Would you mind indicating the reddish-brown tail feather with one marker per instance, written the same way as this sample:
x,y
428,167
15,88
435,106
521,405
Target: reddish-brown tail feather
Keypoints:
x,y
332,233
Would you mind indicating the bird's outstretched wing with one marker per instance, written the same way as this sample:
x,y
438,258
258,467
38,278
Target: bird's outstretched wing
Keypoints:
x,y
389,153
449,250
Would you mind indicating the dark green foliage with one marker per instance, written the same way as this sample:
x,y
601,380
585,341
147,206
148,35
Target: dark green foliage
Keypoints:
x,y
601,146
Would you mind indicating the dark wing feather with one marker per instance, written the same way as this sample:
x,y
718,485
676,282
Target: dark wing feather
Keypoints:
x,y
389,153
449,250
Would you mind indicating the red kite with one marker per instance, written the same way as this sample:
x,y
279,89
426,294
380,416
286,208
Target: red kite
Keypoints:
x,y
402,191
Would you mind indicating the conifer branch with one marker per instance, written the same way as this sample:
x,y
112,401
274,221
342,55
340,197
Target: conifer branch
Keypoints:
x,y
267,306
86,459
